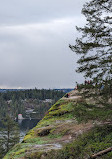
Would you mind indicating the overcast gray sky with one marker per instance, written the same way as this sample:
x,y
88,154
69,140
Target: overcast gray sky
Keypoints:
x,y
34,40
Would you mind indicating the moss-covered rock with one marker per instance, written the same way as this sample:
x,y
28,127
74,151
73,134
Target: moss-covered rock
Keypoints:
x,y
65,121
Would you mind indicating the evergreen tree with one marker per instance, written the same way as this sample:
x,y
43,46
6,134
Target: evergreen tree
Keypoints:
x,y
2,149
9,135
95,44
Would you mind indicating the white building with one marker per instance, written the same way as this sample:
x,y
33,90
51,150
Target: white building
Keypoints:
x,y
20,116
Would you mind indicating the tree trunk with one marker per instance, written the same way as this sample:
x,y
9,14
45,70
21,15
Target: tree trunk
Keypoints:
x,y
101,153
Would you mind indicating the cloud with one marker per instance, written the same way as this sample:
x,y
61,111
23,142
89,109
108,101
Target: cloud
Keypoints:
x,y
36,53
24,11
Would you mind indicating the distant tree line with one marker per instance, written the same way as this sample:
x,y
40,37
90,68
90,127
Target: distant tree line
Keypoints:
x,y
13,102
41,94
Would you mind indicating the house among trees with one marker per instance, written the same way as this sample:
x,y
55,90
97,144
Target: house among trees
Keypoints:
x,y
20,116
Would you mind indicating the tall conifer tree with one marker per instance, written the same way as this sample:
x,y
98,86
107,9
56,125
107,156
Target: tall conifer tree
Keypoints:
x,y
9,135
95,44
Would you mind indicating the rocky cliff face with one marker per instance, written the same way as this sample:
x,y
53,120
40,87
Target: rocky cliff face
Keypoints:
x,y
65,121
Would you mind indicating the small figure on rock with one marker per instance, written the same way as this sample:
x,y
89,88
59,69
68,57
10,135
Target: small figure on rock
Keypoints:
x,y
67,95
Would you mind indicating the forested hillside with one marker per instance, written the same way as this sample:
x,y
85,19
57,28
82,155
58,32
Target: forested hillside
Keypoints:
x,y
73,128
20,101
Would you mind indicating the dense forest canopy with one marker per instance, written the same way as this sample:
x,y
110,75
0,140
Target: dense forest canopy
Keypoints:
x,y
16,102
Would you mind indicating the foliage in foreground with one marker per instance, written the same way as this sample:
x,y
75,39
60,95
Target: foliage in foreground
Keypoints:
x,y
96,140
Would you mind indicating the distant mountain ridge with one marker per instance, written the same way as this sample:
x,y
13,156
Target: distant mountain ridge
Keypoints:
x,y
6,90
65,90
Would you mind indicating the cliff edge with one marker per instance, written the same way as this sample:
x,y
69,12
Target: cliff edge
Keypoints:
x,y
72,128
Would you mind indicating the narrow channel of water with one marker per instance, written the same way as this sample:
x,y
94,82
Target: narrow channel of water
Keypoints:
x,y
25,125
